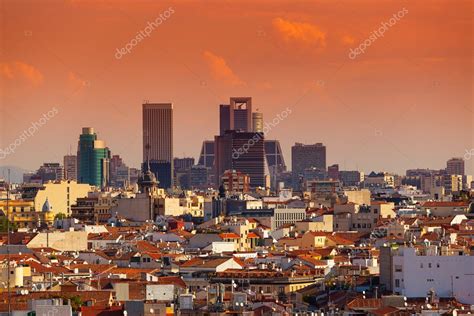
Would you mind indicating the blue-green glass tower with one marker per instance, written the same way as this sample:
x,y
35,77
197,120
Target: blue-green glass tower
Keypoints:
x,y
93,159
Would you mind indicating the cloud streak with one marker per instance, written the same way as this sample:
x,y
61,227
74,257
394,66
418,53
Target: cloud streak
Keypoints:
x,y
221,71
305,33
21,70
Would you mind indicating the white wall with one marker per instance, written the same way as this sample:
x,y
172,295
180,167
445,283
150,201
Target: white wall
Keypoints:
x,y
454,274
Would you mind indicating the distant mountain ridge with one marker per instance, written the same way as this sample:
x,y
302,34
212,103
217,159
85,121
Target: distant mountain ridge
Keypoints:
x,y
16,173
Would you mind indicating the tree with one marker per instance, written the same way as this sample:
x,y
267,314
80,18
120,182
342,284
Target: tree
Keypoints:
x,y
60,216
3,225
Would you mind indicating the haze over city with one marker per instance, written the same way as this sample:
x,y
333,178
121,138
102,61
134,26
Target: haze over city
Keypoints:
x,y
405,102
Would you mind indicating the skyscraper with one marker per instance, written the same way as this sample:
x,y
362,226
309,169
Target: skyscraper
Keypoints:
x,y
257,122
93,159
158,138
306,156
236,116
70,167
241,114
242,152
455,166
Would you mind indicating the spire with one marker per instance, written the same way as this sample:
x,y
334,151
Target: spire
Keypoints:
x,y
147,157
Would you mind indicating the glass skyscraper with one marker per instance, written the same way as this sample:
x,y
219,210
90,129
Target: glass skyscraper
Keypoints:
x,y
93,159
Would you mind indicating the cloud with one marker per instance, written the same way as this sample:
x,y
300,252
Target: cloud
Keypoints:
x,y
18,69
75,80
220,70
305,33
348,40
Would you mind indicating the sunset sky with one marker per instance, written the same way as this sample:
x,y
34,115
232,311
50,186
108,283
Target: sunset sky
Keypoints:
x,y
406,102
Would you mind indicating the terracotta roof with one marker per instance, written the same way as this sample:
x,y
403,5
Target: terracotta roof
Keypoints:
x,y
229,236
365,304
445,204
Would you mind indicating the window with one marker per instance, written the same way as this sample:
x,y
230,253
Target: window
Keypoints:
x,y
437,265
421,265
429,265
397,283
398,268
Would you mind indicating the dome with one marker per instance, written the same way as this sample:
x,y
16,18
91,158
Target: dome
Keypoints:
x,y
46,206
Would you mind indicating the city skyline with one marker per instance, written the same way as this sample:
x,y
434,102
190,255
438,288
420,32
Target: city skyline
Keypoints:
x,y
384,109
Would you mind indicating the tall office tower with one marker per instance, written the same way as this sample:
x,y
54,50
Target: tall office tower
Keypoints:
x,y
70,167
455,166
236,116
242,152
93,159
275,161
206,157
224,118
50,171
158,139
306,156
257,122
241,114
333,172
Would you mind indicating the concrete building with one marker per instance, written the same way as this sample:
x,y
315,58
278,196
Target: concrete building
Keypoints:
x,y
63,241
282,216
158,136
351,178
379,180
50,171
306,156
24,215
70,167
235,182
455,166
61,195
414,272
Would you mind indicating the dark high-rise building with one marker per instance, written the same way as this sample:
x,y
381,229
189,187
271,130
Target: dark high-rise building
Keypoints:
x,y
241,114
242,152
158,139
183,163
199,177
224,118
206,157
50,171
93,159
455,166
182,169
162,171
333,172
236,116
306,156
119,172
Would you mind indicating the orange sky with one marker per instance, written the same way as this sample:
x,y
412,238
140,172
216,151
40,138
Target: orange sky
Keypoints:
x,y
404,103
